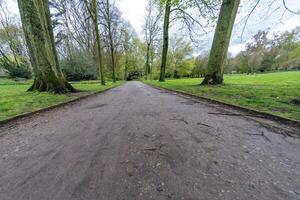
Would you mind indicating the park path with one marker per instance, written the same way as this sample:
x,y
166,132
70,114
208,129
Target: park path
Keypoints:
x,y
137,142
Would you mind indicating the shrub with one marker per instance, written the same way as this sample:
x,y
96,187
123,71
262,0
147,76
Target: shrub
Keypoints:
x,y
18,71
134,75
79,68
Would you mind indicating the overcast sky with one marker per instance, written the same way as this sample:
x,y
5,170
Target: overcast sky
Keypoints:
x,y
275,19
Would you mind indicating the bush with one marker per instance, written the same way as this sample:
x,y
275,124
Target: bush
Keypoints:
x,y
18,71
134,75
79,68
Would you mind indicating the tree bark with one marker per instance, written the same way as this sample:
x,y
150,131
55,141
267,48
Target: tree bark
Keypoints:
x,y
148,68
111,42
126,48
37,26
165,40
218,54
98,41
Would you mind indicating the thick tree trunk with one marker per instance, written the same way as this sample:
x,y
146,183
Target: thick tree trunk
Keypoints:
x,y
98,41
165,40
218,54
37,26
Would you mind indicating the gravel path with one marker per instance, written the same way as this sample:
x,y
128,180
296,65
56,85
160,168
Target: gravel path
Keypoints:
x,y
137,142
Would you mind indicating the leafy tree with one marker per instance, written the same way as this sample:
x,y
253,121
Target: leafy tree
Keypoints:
x,y
112,24
151,31
180,58
200,65
180,9
12,46
92,8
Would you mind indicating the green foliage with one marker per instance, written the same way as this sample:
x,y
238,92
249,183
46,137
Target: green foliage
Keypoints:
x,y
79,67
282,52
12,48
180,60
200,66
273,93
134,75
132,57
18,70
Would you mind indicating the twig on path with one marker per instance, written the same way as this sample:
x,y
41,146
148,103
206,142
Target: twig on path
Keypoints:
x,y
199,123
260,134
230,114
150,149
180,119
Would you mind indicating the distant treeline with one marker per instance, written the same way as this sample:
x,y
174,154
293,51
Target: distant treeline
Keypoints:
x,y
279,52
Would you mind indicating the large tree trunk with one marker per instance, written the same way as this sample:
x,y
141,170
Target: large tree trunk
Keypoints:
x,y
218,54
165,41
35,16
98,41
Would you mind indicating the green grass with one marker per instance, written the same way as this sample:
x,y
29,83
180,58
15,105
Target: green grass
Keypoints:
x,y
271,93
14,100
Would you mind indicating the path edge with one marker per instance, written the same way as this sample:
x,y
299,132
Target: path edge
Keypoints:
x,y
42,110
265,115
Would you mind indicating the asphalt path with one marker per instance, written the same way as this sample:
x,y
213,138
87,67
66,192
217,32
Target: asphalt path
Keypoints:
x,y
137,142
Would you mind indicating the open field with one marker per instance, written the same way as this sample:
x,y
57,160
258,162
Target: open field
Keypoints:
x,y
14,99
274,93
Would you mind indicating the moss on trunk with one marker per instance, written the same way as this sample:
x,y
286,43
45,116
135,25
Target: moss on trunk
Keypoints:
x,y
36,22
165,40
98,41
218,54
148,67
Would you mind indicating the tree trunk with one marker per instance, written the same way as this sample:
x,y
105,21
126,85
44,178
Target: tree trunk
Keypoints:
x,y
98,41
111,42
37,26
218,54
126,69
148,69
165,41
126,47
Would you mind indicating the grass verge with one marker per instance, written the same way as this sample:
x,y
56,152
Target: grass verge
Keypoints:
x,y
273,93
14,100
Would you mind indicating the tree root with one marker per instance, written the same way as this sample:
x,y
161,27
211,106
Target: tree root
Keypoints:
x,y
212,79
56,87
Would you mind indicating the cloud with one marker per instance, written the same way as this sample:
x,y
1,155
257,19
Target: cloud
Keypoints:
x,y
236,48
133,11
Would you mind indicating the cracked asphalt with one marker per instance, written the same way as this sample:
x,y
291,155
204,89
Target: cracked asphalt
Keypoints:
x,y
137,142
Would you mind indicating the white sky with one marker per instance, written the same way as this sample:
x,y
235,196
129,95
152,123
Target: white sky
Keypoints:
x,y
276,20
133,11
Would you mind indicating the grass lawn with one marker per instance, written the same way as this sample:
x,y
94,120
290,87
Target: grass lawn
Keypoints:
x,y
14,99
270,93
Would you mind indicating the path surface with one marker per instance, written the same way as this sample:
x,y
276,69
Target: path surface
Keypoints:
x,y
136,142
